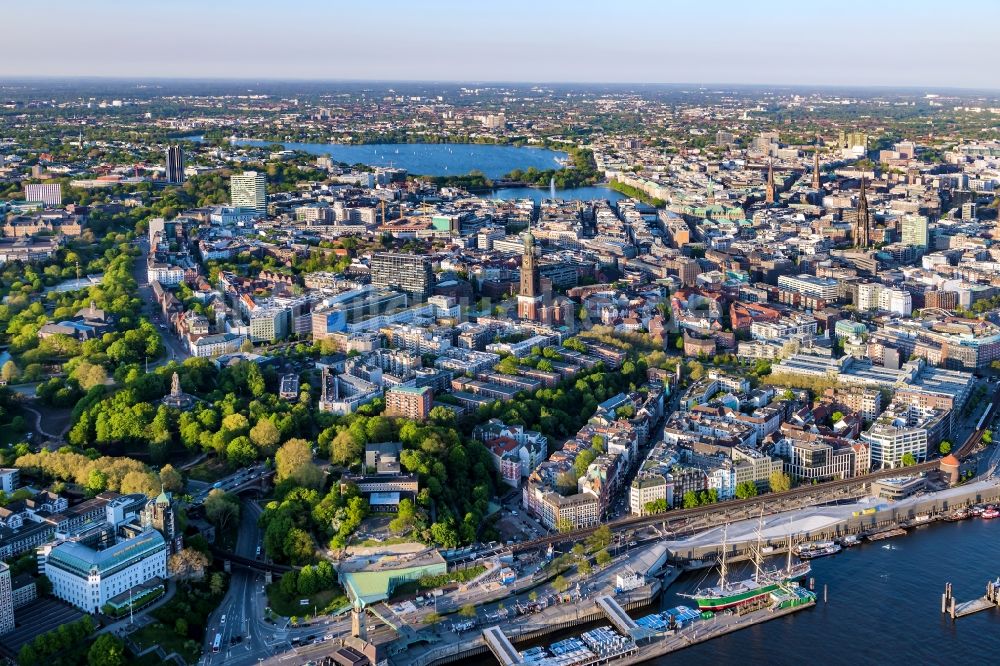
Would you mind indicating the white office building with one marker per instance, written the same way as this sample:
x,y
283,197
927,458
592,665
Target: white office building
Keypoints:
x,y
49,194
88,578
896,300
808,285
249,190
891,439
6,601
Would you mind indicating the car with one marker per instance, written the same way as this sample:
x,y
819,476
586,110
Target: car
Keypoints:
x,y
328,637
223,620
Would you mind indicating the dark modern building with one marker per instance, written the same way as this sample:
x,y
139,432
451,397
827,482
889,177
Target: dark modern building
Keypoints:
x,y
175,164
406,272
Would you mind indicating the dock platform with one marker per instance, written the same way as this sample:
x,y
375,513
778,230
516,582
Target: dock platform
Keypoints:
x,y
961,609
501,647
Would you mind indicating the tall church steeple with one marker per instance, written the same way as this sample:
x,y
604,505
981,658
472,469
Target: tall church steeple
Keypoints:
x,y
529,298
769,192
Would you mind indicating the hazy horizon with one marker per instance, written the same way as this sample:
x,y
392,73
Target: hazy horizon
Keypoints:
x,y
769,43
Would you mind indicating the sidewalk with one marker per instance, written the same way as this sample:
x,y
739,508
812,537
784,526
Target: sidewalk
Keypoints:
x,y
124,626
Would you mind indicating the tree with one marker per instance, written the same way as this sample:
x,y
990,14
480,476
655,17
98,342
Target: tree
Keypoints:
x,y
656,506
780,481
171,479
560,584
945,447
298,546
468,610
294,461
584,567
188,563
603,558
265,436
600,538
837,417
345,449
691,499
289,584
181,627
107,650
441,416
680,343
97,482
217,584
9,371
988,435
908,460
432,618
222,508
746,490
307,581
444,534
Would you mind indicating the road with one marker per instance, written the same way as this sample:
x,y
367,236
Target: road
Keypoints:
x,y
199,490
176,349
240,615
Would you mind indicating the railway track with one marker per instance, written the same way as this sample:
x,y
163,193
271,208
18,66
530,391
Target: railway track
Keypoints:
x,y
773,499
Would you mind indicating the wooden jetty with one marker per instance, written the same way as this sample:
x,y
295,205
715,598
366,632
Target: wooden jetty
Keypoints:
x,y
989,600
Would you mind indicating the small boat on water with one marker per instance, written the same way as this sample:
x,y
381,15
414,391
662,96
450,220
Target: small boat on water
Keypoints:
x,y
976,511
957,515
991,512
809,546
850,541
888,546
825,551
887,534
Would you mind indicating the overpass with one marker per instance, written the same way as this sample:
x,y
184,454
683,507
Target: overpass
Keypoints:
x,y
252,565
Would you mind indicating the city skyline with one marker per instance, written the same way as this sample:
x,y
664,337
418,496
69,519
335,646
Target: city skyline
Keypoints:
x,y
777,43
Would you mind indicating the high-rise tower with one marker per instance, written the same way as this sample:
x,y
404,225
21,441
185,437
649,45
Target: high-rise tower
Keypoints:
x,y
530,296
769,192
249,190
862,226
175,165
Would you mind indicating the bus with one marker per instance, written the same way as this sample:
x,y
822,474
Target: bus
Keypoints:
x,y
217,643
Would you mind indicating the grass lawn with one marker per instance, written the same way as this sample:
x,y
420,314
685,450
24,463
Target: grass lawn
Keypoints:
x,y
288,606
167,638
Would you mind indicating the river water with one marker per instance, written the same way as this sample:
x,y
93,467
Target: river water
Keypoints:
x,y
884,606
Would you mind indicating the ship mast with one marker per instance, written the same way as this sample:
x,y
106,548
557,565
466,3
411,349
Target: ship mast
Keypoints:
x,y
788,563
722,566
757,551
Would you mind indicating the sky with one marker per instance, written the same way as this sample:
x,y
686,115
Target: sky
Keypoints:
x,y
836,42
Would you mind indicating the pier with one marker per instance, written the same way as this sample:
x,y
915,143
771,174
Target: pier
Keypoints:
x,y
619,618
989,600
501,647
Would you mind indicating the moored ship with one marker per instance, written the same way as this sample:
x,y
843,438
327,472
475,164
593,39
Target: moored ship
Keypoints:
x,y
729,594
826,550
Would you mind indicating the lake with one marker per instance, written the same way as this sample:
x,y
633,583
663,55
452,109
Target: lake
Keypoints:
x,y
572,194
431,159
